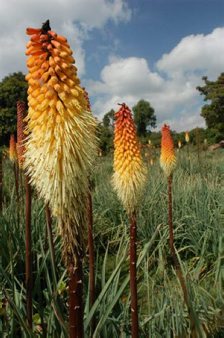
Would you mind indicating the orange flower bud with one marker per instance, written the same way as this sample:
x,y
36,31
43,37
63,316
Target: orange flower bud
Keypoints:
x,y
167,157
12,148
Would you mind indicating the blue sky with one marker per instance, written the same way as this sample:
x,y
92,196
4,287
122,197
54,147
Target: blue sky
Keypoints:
x,y
155,27
157,50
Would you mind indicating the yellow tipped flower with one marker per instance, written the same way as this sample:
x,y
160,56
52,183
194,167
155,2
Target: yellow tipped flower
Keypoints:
x,y
187,137
12,148
167,157
129,171
61,142
179,144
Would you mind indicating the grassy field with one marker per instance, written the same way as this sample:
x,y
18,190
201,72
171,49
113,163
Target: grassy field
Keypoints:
x,y
198,206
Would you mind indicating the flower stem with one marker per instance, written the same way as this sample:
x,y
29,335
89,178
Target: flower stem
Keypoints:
x,y
50,234
91,258
76,329
133,276
28,253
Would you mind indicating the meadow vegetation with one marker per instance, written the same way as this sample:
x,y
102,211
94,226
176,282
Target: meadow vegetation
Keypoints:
x,y
198,213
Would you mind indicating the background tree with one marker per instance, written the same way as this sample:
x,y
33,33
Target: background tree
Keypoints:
x,y
12,88
213,112
105,132
108,119
144,117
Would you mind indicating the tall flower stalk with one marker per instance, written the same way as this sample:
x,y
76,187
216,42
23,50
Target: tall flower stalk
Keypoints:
x,y
21,108
128,180
90,238
60,150
168,164
13,158
187,140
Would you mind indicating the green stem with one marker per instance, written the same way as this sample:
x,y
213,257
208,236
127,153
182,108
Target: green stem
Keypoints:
x,y
28,254
133,276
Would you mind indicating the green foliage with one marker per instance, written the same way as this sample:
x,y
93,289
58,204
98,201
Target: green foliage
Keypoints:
x,y
108,119
105,132
213,91
144,117
12,88
198,199
105,135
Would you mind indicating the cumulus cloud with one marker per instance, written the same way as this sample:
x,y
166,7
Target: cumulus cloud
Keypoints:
x,y
200,53
75,19
171,87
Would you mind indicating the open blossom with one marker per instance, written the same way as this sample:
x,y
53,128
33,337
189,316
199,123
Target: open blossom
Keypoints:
x,y
129,171
167,157
61,142
12,148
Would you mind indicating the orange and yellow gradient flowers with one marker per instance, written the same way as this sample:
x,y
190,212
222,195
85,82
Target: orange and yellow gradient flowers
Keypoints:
x,y
61,142
129,171
167,157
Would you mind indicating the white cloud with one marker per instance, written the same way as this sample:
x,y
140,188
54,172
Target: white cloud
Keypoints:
x,y
195,54
73,18
171,87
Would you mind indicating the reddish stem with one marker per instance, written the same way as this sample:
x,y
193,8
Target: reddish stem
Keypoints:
x,y
91,258
28,253
133,276
16,174
76,329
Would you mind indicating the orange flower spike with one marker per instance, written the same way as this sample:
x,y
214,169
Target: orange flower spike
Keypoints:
x,y
86,95
167,157
61,144
12,148
129,170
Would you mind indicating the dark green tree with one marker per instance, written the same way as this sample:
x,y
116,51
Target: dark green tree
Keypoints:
x,y
144,117
105,135
105,132
12,88
108,119
213,111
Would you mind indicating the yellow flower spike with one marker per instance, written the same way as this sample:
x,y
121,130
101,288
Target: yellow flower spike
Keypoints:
x,y
187,137
179,144
12,148
167,157
61,144
129,171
